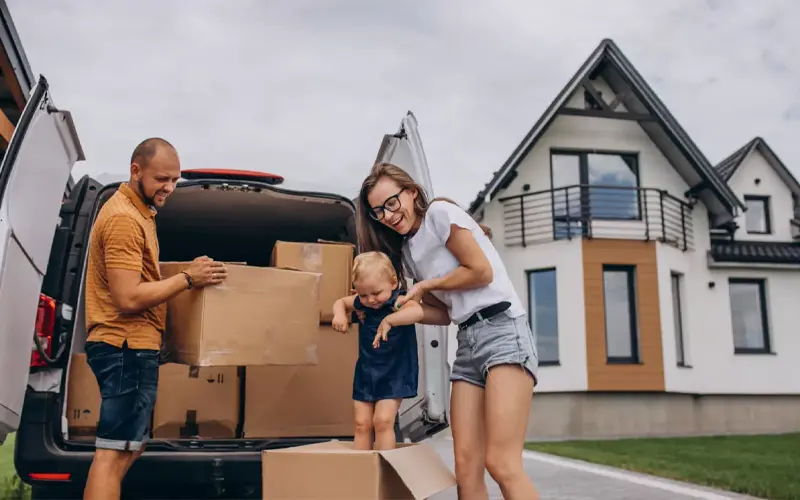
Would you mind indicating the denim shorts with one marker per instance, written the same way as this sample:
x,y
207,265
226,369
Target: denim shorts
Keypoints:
x,y
128,380
499,340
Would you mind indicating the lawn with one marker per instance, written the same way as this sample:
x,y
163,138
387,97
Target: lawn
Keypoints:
x,y
9,484
762,466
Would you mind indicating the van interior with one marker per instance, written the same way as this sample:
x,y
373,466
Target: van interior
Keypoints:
x,y
234,222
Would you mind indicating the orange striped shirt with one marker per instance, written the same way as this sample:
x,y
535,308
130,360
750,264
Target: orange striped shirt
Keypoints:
x,y
123,237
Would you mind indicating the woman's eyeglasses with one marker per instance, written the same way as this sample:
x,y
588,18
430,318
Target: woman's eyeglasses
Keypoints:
x,y
391,204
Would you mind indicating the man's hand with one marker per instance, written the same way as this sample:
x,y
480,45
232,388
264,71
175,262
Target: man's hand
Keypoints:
x,y
340,323
383,332
205,271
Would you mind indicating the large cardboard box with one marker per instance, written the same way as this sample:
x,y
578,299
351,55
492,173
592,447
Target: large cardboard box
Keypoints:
x,y
305,401
258,316
83,399
334,471
196,402
333,260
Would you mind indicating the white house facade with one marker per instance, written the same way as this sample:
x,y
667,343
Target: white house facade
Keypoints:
x,y
661,287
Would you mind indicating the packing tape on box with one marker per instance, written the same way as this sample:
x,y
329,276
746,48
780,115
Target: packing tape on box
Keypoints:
x,y
190,427
312,257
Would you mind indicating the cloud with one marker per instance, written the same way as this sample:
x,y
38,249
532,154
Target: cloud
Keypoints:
x,y
307,88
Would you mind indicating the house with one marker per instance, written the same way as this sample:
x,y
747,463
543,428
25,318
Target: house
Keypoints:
x,y
662,288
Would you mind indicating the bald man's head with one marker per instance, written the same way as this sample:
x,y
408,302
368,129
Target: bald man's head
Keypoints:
x,y
155,170
148,148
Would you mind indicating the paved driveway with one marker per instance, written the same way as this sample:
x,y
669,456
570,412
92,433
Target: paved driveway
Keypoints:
x,y
564,479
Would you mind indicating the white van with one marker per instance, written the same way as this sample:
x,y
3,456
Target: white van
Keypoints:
x,y
43,240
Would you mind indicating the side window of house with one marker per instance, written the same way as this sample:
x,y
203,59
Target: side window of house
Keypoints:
x,y
749,315
543,313
757,217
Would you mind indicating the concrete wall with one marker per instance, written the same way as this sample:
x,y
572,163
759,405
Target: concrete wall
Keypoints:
x,y
617,415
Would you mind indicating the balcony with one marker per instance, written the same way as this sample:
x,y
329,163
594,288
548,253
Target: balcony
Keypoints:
x,y
582,211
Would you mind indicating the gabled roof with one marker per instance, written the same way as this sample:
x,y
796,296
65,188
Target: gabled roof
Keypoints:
x,y
609,62
727,167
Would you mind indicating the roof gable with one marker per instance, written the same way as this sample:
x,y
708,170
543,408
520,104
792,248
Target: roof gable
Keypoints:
x,y
727,167
646,108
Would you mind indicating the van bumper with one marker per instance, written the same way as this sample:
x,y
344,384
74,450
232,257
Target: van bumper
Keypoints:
x,y
40,449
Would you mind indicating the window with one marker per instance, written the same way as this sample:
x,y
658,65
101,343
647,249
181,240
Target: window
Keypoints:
x,y
749,315
543,313
619,297
677,317
615,177
756,218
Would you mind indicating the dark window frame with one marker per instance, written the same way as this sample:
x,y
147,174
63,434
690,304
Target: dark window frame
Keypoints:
x,y
532,320
585,190
765,200
633,315
676,280
761,283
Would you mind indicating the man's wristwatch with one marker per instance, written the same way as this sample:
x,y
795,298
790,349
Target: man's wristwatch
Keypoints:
x,y
188,279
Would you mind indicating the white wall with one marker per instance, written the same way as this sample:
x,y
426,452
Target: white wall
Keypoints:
x,y
708,334
781,205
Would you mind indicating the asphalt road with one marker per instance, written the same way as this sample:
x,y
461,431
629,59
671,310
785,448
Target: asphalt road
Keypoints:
x,y
564,479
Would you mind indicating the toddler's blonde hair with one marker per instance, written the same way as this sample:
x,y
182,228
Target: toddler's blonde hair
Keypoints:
x,y
373,262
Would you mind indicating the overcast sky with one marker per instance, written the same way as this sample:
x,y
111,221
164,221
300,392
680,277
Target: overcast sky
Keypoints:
x,y
307,89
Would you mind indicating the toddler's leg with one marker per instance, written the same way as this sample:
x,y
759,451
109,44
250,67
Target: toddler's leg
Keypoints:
x,y
383,421
362,440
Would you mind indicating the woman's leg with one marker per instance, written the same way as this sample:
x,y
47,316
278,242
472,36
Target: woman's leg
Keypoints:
x,y
383,423
467,425
362,440
508,403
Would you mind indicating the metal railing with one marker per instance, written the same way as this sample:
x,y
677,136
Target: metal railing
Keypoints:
x,y
582,211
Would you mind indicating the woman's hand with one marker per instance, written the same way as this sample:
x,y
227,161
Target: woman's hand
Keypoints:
x,y
415,293
340,323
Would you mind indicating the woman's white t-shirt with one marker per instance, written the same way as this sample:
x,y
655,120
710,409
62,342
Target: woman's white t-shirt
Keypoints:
x,y
425,257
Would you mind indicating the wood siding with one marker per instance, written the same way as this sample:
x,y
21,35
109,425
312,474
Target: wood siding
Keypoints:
x,y
648,375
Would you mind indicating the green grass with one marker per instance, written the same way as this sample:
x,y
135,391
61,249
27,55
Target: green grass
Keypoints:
x,y
11,488
762,466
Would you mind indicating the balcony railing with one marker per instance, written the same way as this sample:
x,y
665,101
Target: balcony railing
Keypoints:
x,y
581,211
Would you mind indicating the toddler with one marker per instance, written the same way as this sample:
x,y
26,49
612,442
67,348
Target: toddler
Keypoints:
x,y
387,369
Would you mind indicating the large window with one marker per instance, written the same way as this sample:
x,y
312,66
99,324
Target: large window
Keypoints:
x,y
756,218
619,298
749,315
677,318
593,185
543,313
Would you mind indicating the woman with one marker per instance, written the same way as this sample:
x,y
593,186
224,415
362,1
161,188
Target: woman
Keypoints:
x,y
459,277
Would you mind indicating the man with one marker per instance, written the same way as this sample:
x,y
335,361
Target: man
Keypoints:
x,y
126,311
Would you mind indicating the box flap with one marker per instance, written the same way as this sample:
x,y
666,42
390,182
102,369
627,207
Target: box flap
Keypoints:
x,y
327,446
421,469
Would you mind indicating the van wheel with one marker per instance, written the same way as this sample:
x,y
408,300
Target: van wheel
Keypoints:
x,y
51,493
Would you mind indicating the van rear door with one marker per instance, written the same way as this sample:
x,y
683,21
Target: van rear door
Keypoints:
x,y
33,177
428,413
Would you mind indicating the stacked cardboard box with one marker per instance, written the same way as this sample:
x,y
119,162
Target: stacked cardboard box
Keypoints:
x,y
309,401
195,402
83,399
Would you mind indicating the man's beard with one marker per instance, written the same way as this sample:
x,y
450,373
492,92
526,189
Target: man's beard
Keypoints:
x,y
147,199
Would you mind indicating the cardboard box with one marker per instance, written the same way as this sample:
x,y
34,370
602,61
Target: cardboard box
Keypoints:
x,y
305,401
258,316
83,399
333,470
333,260
196,402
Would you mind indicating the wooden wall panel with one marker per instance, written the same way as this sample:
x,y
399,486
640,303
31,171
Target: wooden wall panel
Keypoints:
x,y
648,375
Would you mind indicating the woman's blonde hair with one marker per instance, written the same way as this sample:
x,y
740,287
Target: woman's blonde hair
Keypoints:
x,y
371,263
372,235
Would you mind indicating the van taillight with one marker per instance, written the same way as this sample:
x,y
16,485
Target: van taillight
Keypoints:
x,y
45,323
